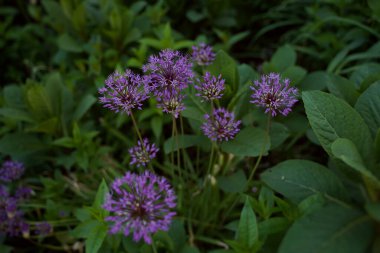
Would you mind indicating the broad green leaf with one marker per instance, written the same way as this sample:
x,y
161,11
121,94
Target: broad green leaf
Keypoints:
x,y
373,209
20,144
233,183
377,145
185,141
226,66
278,134
273,225
48,126
314,81
84,229
157,124
368,105
39,101
13,97
283,58
250,141
95,238
189,249
100,195
5,248
346,151
247,233
343,88
331,229
299,179
68,43
83,106
332,118
16,114
177,234
295,74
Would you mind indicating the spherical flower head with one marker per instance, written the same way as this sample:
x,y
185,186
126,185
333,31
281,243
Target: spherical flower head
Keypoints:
x,y
210,88
11,170
140,204
170,70
143,153
274,94
171,102
43,229
123,92
220,125
203,54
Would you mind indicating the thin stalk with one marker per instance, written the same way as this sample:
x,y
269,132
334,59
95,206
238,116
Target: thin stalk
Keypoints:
x,y
262,149
172,152
154,246
177,143
137,129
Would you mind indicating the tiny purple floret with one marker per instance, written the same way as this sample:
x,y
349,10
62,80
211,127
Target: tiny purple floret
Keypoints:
x,y
203,54
143,153
210,87
220,125
274,94
140,204
123,92
11,170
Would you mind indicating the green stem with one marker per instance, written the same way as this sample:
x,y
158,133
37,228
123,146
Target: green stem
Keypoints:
x,y
154,246
262,149
172,152
137,129
177,143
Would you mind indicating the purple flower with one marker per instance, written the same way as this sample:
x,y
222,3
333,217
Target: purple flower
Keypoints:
x,y
171,102
11,170
221,125
123,92
169,71
140,204
203,54
274,94
210,88
23,193
143,153
43,228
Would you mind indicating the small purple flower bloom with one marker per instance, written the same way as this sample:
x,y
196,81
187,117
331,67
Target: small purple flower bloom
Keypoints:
x,y
171,102
123,92
221,125
43,228
203,54
23,193
11,170
169,71
274,94
210,88
143,153
140,203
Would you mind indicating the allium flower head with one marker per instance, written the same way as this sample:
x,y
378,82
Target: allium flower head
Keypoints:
x,y
220,125
140,204
43,228
123,92
210,88
170,70
203,54
171,102
11,170
143,153
274,94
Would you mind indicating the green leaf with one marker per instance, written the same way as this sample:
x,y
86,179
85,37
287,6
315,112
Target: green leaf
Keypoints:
x,y
83,106
346,151
39,101
315,81
95,238
100,197
247,233
278,134
234,183
226,66
185,141
295,74
331,229
273,225
299,179
13,97
283,58
250,141
68,43
373,209
16,114
368,105
178,234
20,144
332,118
343,88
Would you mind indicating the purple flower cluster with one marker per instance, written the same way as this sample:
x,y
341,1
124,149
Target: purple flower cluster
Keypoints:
x,y
274,94
143,153
12,220
11,170
123,92
203,54
210,88
43,228
220,125
167,75
140,203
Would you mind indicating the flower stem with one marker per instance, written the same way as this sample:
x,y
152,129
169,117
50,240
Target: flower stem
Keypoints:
x,y
177,143
154,246
137,129
262,149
